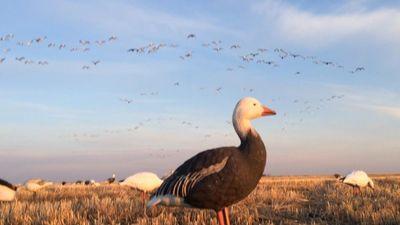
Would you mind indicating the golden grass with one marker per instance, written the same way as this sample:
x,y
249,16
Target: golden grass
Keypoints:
x,y
276,200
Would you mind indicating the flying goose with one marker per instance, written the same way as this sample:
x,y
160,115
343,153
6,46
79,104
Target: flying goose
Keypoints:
x,y
190,36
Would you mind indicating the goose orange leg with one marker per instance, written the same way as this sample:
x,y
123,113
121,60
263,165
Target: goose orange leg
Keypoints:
x,y
220,217
223,217
226,216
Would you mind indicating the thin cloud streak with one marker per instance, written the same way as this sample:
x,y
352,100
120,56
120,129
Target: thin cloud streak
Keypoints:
x,y
392,111
48,109
305,27
132,19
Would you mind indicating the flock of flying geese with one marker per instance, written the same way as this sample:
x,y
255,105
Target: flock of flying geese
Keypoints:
x,y
213,179
258,56
84,46
304,108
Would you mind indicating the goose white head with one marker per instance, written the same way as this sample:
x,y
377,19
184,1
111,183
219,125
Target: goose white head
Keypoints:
x,y
247,109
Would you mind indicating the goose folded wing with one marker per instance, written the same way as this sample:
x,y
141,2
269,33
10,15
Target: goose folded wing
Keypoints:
x,y
191,172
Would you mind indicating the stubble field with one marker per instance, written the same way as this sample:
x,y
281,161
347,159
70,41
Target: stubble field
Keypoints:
x,y
276,200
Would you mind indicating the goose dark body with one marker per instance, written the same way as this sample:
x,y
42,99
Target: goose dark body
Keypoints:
x,y
233,182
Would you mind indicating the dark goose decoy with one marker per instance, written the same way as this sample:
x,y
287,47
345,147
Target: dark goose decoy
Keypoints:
x,y
111,179
217,178
7,191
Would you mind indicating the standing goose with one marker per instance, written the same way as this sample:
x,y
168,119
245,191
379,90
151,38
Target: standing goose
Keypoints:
x,y
7,191
357,179
217,178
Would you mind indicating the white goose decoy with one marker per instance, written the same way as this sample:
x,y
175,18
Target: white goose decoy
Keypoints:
x,y
94,183
357,179
36,184
143,181
7,191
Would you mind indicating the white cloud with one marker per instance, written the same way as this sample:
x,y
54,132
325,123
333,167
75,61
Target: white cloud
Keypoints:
x,y
392,111
374,99
322,29
54,111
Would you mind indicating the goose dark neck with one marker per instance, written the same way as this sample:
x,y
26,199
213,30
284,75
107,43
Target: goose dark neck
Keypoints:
x,y
251,141
254,152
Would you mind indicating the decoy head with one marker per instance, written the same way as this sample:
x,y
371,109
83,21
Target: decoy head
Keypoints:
x,y
339,177
249,108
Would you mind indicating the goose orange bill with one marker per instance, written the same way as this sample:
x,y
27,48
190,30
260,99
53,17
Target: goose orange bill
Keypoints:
x,y
268,112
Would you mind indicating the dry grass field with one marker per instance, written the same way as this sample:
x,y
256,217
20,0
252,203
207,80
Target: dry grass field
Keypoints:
x,y
277,200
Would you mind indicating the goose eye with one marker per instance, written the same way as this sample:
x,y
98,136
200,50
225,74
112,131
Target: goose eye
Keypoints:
x,y
254,104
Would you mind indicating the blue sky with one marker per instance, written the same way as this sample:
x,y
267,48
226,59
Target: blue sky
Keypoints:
x,y
62,122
